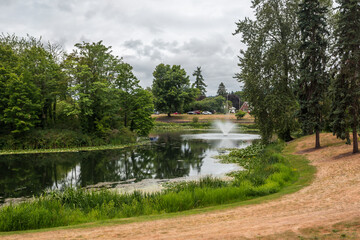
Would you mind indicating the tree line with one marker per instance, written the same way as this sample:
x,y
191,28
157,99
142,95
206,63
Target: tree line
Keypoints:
x,y
50,98
89,91
301,67
173,92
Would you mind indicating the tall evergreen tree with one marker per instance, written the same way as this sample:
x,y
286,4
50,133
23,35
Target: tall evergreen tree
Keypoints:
x,y
314,81
199,81
222,90
346,87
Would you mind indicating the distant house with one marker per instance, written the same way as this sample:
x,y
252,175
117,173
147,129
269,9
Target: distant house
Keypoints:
x,y
245,107
232,110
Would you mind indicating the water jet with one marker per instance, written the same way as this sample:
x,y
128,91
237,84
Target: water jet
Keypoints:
x,y
224,126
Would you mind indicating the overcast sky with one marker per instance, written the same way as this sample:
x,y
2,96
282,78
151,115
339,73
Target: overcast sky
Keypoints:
x,y
145,33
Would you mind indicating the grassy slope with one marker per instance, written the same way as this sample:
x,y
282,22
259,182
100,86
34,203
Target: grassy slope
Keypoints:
x,y
305,171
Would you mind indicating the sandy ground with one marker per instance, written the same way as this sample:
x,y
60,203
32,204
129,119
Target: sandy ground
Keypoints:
x,y
333,197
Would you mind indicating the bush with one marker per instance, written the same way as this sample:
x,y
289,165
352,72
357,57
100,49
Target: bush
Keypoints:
x,y
63,138
209,104
195,119
240,114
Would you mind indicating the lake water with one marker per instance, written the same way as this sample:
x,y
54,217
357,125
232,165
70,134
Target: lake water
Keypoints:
x,y
170,156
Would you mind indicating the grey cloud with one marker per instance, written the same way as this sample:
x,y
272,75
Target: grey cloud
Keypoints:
x,y
90,13
205,47
64,6
133,44
84,39
189,33
161,44
6,3
150,51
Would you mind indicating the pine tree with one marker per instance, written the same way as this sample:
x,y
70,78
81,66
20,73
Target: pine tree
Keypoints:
x,y
314,81
199,81
346,86
222,90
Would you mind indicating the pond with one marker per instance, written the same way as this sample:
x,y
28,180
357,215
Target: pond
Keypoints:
x,y
169,156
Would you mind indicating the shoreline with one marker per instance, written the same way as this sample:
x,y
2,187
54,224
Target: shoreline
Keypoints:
x,y
77,149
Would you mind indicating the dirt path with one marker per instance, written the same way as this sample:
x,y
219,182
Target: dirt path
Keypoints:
x,y
334,196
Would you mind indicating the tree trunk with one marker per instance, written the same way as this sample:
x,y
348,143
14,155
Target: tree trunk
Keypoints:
x,y
125,119
169,115
317,143
355,141
54,111
286,135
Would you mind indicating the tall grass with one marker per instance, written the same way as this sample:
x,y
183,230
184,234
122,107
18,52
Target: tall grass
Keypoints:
x,y
267,173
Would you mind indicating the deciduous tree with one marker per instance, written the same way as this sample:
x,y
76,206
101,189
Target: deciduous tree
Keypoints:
x,y
269,65
171,88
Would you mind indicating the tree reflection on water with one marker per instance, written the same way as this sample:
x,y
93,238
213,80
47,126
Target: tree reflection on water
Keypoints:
x,y
31,174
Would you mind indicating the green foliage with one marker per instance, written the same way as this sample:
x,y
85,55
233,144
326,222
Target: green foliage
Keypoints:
x,y
210,104
345,114
195,119
95,70
36,67
140,115
20,102
64,138
269,66
266,169
222,90
206,182
240,114
314,81
199,81
22,105
171,88
245,153
88,89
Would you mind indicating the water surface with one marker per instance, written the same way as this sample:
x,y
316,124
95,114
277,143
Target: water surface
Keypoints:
x,y
173,155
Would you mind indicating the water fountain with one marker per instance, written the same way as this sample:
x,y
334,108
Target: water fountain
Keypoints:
x,y
227,138
225,127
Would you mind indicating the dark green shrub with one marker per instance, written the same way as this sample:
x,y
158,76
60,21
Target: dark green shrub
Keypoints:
x,y
240,114
63,138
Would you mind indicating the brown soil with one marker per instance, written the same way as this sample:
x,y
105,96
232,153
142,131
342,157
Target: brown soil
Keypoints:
x,y
333,197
